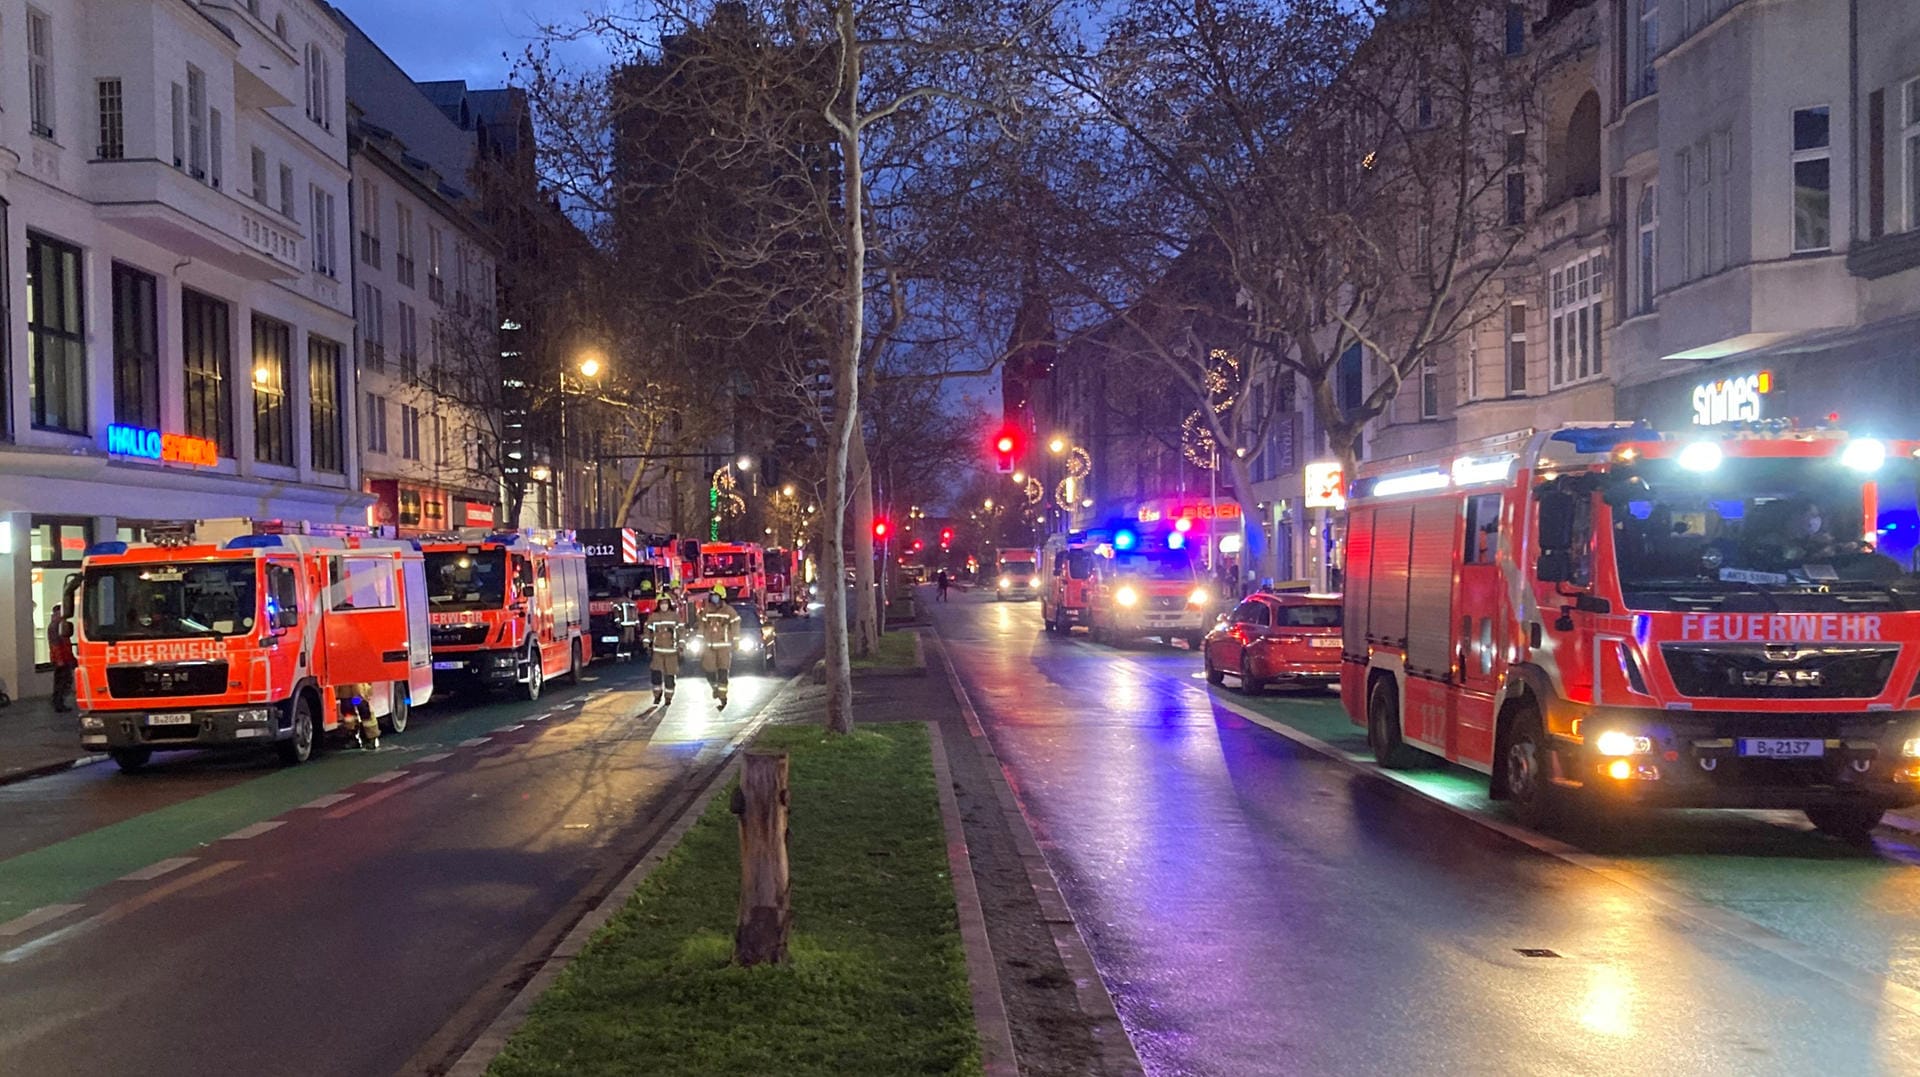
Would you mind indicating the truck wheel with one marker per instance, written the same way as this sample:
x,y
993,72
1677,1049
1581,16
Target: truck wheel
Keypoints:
x,y
402,708
131,759
1851,823
536,675
1249,685
1383,727
573,668
1536,801
298,747
1194,642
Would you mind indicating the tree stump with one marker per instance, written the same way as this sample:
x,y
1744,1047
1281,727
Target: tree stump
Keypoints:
x,y
765,917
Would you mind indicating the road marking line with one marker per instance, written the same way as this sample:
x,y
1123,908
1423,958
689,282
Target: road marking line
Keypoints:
x,y
120,911
510,728
382,779
255,830
154,871
541,717
327,801
20,925
474,743
434,758
374,798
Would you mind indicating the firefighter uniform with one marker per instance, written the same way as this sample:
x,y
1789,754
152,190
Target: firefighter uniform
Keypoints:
x,y
663,639
719,628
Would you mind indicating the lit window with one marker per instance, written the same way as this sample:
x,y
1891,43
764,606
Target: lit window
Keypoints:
x,y
1576,308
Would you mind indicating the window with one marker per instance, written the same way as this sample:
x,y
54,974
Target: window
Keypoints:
x,y
1646,277
362,583
54,547
216,149
196,123
272,406
1812,180
325,254
436,283
1516,185
319,86
323,396
1517,349
257,160
1482,535
409,432
374,423
6,319
206,342
179,126
403,243
1516,29
373,327
286,192
369,223
1703,169
1910,150
1576,315
1349,379
40,73
1646,45
1429,388
283,597
136,348
1252,612
56,336
113,120
409,341
439,440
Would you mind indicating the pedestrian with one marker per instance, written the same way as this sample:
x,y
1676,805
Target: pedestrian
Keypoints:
x,y
663,639
60,653
943,581
719,627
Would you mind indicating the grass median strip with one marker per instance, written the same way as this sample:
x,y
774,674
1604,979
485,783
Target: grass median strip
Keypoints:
x,y
895,652
877,983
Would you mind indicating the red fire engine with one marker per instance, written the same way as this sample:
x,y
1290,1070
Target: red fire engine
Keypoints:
x,y
1600,613
509,609
266,639
1066,587
783,585
627,571
740,567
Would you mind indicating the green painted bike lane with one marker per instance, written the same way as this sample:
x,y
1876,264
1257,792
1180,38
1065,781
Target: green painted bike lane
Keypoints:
x,y
1857,906
67,870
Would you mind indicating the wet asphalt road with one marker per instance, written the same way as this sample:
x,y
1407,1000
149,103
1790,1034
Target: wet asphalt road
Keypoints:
x,y
332,918
1256,908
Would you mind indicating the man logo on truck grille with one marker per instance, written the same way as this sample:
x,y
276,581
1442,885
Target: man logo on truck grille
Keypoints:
x,y
1775,678
164,678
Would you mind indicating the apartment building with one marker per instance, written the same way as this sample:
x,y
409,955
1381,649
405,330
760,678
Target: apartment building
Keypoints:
x,y
177,300
427,335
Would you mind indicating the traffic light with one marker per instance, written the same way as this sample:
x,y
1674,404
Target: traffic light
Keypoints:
x,y
1006,449
918,545
946,537
881,528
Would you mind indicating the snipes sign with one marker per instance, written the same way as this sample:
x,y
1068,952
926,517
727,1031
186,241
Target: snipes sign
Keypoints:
x,y
167,448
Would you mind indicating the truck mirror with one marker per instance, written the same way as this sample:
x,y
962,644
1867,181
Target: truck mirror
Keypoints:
x,y
526,590
1554,566
286,617
1556,521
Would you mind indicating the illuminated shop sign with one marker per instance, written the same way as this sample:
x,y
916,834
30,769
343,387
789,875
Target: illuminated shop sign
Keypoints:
x,y
1732,400
168,448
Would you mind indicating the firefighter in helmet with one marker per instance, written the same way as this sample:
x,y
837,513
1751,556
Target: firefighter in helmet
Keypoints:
x,y
719,628
663,639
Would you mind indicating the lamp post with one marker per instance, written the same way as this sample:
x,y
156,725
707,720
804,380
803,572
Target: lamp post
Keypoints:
x,y
590,367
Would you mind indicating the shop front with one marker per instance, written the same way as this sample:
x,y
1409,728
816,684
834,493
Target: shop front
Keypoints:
x,y
410,509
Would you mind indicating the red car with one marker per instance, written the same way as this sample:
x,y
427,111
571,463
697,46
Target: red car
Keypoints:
x,y
1269,638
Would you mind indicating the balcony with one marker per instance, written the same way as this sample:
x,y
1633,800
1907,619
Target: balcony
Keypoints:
x,y
165,206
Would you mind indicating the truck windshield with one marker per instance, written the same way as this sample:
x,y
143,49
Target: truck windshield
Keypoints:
x,y
621,581
1764,526
467,581
725,564
167,601
1168,565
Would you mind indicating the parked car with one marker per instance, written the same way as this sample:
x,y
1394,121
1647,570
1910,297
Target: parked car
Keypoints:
x,y
1276,638
756,638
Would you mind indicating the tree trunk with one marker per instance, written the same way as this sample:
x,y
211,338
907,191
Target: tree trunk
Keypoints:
x,y
866,617
846,370
765,916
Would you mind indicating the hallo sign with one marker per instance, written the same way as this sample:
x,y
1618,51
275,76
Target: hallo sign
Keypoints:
x,y
1731,400
167,448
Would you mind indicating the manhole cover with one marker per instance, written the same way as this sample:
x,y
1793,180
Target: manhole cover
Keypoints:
x,y
1534,951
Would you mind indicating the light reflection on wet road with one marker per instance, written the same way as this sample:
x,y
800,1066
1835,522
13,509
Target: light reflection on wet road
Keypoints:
x,y
1255,908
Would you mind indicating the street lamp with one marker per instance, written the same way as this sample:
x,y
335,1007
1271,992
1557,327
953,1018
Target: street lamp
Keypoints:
x,y
989,505
589,364
1057,446
744,462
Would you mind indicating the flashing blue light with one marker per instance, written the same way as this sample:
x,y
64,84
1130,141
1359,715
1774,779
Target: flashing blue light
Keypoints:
x,y
1603,438
1176,541
101,549
1642,624
504,538
254,542
1125,540
1732,509
1640,510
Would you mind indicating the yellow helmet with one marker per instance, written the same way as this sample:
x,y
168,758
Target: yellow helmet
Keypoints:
x,y
720,591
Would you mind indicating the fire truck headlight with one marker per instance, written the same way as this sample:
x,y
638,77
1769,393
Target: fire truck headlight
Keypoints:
x,y
1005,583
1614,742
255,715
1701,456
91,724
693,644
504,661
747,646
1620,770
1033,581
1199,597
1864,454
1127,596
1911,749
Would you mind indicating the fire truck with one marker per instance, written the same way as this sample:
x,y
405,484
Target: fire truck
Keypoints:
x,y
1066,586
1599,614
264,639
509,610
740,567
783,584
1146,585
626,572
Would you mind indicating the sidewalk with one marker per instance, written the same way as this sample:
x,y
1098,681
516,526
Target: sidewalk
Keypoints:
x,y
35,740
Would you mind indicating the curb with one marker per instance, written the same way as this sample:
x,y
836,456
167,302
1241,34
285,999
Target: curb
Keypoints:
x,y
42,770
1114,1047
997,1056
478,1055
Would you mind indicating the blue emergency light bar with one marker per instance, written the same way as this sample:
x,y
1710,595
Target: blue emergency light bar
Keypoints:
x,y
106,549
1603,437
254,542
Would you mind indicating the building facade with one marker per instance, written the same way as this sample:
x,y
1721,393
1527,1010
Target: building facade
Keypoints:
x,y
178,319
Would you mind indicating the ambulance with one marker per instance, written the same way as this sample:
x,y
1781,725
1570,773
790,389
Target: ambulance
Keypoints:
x,y
1601,615
509,611
264,639
1146,585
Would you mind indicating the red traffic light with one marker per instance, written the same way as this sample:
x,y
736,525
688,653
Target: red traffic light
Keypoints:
x,y
880,529
918,545
1005,444
946,535
1006,447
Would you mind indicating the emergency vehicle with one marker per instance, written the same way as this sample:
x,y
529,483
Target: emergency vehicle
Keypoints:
x,y
509,610
1067,589
1019,575
1599,613
1146,585
783,583
740,567
627,571
263,639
